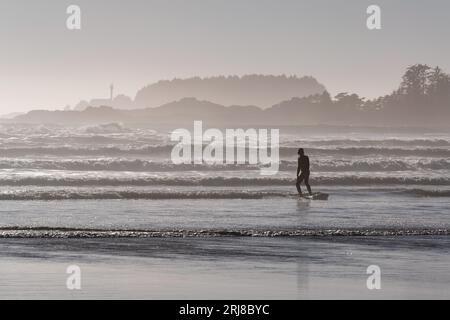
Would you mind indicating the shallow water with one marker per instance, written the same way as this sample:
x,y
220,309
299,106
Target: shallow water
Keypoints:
x,y
383,208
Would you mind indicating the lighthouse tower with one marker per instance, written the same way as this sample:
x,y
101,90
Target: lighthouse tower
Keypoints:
x,y
111,89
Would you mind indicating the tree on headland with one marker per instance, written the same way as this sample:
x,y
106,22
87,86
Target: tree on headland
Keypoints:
x,y
415,80
423,95
438,89
349,102
422,98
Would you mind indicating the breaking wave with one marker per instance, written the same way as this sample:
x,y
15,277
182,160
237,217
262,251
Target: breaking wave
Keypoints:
x,y
215,181
75,151
136,195
139,165
379,165
107,194
378,143
165,150
43,232
371,151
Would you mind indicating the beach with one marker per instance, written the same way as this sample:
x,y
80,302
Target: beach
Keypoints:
x,y
226,268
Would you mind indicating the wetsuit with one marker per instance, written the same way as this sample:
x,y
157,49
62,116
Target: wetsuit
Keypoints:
x,y
303,166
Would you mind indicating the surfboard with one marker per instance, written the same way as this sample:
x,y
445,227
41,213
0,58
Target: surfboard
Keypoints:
x,y
315,196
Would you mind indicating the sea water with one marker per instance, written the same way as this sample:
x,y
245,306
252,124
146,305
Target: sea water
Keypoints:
x,y
109,199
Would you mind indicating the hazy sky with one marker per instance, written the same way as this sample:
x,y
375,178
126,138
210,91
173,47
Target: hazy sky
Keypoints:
x,y
134,43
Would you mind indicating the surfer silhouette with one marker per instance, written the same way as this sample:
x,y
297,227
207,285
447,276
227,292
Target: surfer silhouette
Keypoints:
x,y
303,170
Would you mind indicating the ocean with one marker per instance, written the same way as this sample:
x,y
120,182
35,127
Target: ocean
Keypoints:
x,y
108,199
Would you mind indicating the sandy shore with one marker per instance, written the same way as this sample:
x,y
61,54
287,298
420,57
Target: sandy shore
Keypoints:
x,y
226,268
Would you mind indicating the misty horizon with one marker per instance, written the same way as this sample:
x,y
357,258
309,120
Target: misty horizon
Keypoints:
x,y
47,66
104,94
421,99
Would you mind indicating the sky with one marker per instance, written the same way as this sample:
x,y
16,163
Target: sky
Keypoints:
x,y
137,42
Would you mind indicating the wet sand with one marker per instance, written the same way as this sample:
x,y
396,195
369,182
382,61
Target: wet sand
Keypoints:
x,y
413,267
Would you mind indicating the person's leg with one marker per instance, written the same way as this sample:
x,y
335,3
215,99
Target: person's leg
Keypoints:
x,y
299,180
307,184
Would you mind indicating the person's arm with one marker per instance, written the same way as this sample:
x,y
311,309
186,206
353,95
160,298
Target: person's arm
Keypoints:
x,y
298,167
